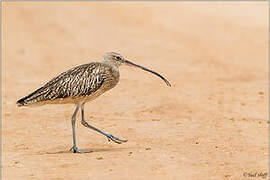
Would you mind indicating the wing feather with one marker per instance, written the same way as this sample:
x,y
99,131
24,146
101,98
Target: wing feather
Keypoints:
x,y
79,81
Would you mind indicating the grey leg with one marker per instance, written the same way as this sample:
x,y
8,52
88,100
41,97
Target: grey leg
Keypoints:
x,y
109,136
73,120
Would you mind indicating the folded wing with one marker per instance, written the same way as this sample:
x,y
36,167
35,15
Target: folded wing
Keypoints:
x,y
77,82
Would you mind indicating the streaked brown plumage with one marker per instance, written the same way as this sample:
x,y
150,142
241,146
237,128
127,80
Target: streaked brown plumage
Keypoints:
x,y
80,85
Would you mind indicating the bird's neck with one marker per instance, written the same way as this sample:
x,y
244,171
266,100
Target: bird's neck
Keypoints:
x,y
114,66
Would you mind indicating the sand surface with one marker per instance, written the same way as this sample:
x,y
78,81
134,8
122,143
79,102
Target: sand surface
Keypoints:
x,y
211,124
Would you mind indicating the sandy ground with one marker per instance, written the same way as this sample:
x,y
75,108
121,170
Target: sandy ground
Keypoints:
x,y
211,124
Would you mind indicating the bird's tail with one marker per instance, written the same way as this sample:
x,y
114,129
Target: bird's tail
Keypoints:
x,y
30,99
22,102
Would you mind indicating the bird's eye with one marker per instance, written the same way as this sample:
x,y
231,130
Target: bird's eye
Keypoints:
x,y
118,57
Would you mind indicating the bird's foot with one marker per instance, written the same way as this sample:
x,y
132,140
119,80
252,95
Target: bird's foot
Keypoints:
x,y
76,150
115,139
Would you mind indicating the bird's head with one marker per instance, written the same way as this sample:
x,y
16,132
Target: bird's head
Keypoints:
x,y
117,59
114,58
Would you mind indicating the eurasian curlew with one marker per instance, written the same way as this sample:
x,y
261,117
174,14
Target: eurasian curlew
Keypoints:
x,y
82,84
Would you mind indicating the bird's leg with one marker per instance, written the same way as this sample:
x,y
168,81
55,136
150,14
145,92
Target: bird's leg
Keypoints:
x,y
73,120
109,136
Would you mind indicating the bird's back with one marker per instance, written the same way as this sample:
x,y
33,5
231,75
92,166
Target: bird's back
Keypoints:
x,y
81,83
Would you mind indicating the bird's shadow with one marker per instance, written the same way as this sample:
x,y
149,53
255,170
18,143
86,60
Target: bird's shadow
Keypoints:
x,y
92,150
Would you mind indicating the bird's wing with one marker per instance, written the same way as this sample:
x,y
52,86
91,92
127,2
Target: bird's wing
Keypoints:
x,y
79,81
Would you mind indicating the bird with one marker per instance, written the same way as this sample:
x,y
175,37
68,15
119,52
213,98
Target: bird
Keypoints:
x,y
83,84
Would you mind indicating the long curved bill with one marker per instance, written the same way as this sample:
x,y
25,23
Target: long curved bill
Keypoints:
x,y
128,63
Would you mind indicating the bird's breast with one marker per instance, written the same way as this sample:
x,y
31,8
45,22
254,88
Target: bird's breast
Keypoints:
x,y
112,78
